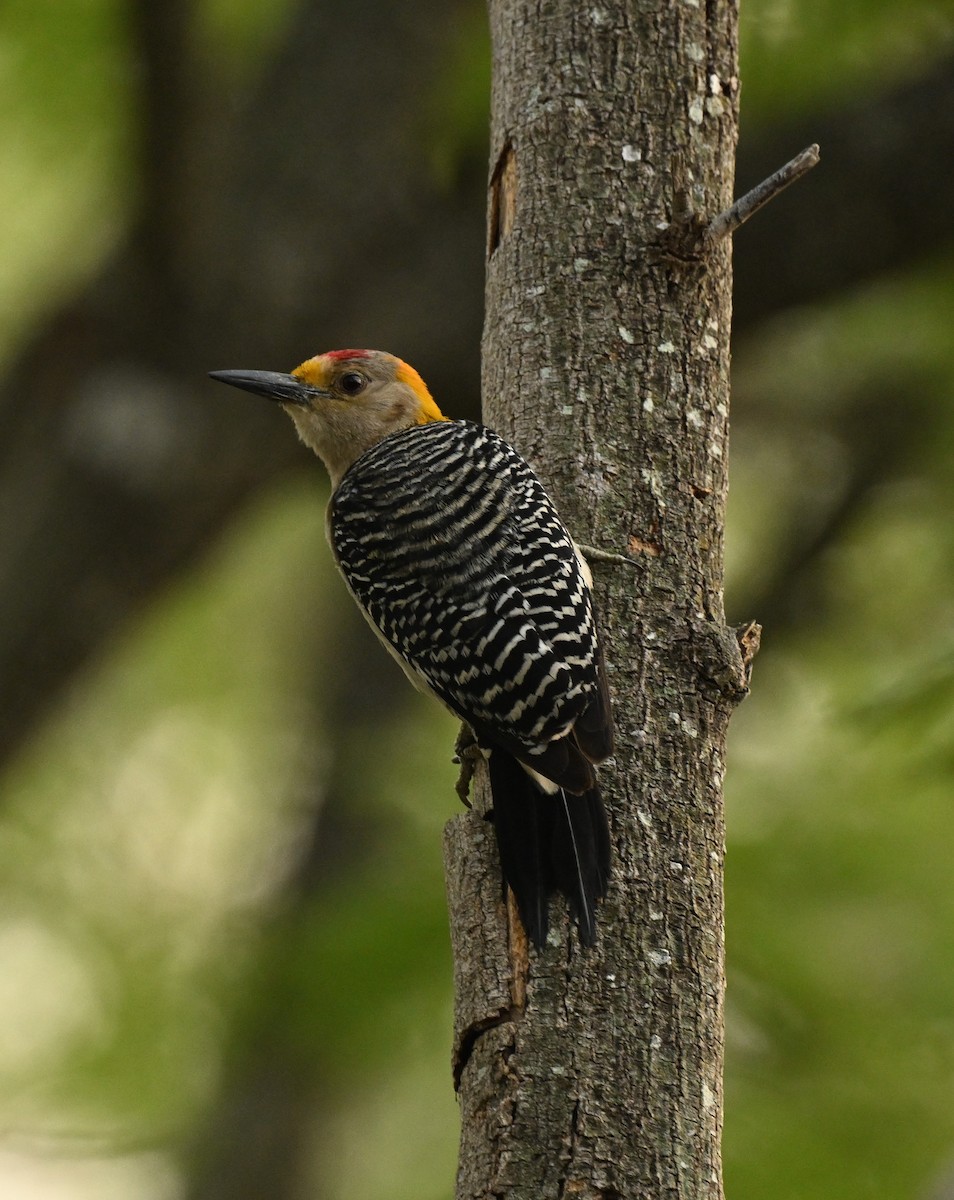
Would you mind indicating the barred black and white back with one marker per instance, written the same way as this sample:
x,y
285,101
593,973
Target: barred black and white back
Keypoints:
x,y
451,546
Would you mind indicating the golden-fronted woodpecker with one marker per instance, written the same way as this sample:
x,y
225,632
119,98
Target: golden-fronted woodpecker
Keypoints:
x,y
458,558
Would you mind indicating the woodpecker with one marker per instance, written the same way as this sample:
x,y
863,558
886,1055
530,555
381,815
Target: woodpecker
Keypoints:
x,y
457,557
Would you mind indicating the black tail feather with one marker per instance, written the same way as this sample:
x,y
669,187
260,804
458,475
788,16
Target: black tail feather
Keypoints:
x,y
549,843
581,856
522,822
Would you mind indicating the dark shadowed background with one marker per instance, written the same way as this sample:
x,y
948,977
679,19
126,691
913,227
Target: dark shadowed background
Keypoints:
x,y
224,961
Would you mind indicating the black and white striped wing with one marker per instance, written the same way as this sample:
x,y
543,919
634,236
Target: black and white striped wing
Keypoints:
x,y
453,548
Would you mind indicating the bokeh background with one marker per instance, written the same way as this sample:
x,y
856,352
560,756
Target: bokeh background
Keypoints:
x,y
224,962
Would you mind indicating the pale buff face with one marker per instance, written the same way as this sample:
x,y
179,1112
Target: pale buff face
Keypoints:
x,y
351,399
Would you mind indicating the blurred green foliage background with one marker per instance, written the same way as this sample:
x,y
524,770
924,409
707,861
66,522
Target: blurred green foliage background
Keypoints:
x,y
224,965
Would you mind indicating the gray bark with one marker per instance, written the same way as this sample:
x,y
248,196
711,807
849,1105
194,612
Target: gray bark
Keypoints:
x,y
606,356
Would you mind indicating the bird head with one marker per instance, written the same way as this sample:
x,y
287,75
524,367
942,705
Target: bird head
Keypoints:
x,y
344,402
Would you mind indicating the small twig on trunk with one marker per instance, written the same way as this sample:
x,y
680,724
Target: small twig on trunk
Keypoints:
x,y
594,554
728,222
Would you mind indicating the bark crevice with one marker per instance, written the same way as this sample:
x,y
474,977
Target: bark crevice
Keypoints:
x,y
469,1037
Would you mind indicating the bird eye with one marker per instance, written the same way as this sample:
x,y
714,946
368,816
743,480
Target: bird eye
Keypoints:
x,y
351,383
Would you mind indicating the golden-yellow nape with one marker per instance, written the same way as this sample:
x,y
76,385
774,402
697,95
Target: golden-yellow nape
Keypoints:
x,y
428,410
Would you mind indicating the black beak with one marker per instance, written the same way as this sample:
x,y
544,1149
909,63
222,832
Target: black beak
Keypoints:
x,y
286,389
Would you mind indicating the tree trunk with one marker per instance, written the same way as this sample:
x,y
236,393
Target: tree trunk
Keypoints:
x,y
598,1073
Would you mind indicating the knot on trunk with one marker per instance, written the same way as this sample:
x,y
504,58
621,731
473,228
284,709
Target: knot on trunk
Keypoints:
x,y
723,655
